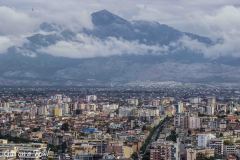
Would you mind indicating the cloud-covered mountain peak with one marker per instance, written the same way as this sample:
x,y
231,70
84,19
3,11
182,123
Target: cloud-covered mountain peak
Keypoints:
x,y
104,17
114,50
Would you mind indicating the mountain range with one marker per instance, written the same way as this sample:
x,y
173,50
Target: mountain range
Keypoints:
x,y
164,59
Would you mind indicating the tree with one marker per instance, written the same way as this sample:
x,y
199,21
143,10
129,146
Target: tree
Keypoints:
x,y
64,147
221,135
228,142
237,141
144,128
65,127
134,156
200,156
78,111
36,129
173,136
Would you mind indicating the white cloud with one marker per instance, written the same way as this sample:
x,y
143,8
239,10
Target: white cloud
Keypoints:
x,y
183,14
5,43
9,41
14,22
88,47
73,13
15,26
228,47
222,24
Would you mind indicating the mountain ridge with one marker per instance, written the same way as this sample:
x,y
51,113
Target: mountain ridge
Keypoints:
x,y
30,65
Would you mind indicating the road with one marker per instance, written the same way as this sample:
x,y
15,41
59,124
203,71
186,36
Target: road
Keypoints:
x,y
155,135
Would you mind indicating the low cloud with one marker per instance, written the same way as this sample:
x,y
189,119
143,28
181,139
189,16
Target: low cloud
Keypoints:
x,y
5,43
89,47
10,41
229,46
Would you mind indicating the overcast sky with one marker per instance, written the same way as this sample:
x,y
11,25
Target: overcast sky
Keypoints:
x,y
212,18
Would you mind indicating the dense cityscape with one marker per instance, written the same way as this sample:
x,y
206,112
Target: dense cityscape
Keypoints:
x,y
119,123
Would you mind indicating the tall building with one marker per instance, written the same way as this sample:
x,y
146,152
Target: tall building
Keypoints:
x,y
66,99
210,110
181,120
41,110
57,111
109,107
196,100
194,122
211,105
203,139
164,150
229,149
57,98
217,145
156,102
133,101
191,154
212,101
180,107
65,109
125,111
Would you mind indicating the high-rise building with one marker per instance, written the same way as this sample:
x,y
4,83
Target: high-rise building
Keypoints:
x,y
125,111
181,120
217,145
210,110
195,100
191,154
57,111
180,107
203,139
133,101
65,109
211,105
156,102
43,110
229,149
164,150
194,122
